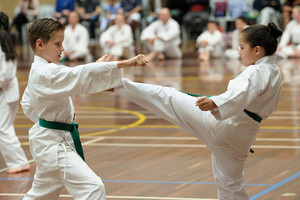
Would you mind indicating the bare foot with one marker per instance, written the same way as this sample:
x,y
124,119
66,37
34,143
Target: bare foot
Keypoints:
x,y
161,56
20,169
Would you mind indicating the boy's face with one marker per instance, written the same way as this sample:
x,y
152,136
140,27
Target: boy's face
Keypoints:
x,y
52,50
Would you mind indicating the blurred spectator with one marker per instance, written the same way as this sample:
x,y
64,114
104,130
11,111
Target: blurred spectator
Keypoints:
x,y
289,45
28,11
110,13
269,11
132,11
177,8
63,8
154,7
89,11
76,40
117,40
196,18
240,24
162,37
287,10
210,42
237,8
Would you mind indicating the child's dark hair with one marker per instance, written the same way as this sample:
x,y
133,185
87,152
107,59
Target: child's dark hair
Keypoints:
x,y
242,18
264,36
43,29
5,39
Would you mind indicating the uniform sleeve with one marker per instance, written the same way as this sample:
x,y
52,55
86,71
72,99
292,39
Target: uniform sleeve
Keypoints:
x,y
286,36
7,70
62,82
149,31
27,107
105,36
173,32
127,38
240,93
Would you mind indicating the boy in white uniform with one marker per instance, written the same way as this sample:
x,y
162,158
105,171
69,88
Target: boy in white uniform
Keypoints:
x,y
10,147
210,42
117,40
47,102
76,40
289,45
162,37
233,119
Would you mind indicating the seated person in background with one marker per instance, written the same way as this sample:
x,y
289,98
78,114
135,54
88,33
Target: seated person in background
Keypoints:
x,y
89,11
162,37
117,40
63,8
269,11
132,11
29,10
289,45
110,12
210,42
287,10
76,40
240,24
197,16
154,7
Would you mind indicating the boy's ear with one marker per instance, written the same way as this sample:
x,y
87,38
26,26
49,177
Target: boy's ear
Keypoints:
x,y
39,44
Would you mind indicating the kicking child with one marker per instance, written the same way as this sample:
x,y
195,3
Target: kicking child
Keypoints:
x,y
226,123
47,102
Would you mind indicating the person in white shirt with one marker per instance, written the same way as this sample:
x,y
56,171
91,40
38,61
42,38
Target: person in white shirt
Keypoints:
x,y
76,40
162,37
233,52
10,147
226,123
210,42
117,40
289,45
54,141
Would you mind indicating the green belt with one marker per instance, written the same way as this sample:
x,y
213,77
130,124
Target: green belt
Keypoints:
x,y
65,127
250,114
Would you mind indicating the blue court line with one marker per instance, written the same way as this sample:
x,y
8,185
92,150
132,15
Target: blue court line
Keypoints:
x,y
275,186
133,181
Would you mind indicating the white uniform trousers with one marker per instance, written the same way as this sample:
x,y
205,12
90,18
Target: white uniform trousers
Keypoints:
x,y
169,48
80,181
180,109
10,146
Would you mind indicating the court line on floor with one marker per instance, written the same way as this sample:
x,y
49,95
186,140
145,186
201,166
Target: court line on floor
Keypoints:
x,y
118,197
183,145
275,186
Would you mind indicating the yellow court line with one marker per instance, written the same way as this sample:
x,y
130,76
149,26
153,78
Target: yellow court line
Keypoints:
x,y
141,119
121,127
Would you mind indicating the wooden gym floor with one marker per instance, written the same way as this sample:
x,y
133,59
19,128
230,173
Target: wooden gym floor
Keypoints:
x,y
141,156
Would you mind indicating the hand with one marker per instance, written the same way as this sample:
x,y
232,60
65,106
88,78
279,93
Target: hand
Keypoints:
x,y
205,103
135,61
104,58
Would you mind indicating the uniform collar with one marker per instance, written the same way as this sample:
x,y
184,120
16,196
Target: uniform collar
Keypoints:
x,y
40,60
266,59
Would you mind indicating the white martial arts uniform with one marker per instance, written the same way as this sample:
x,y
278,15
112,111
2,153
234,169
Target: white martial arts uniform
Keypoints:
x,y
215,43
76,40
47,96
169,34
10,146
290,40
123,38
227,130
